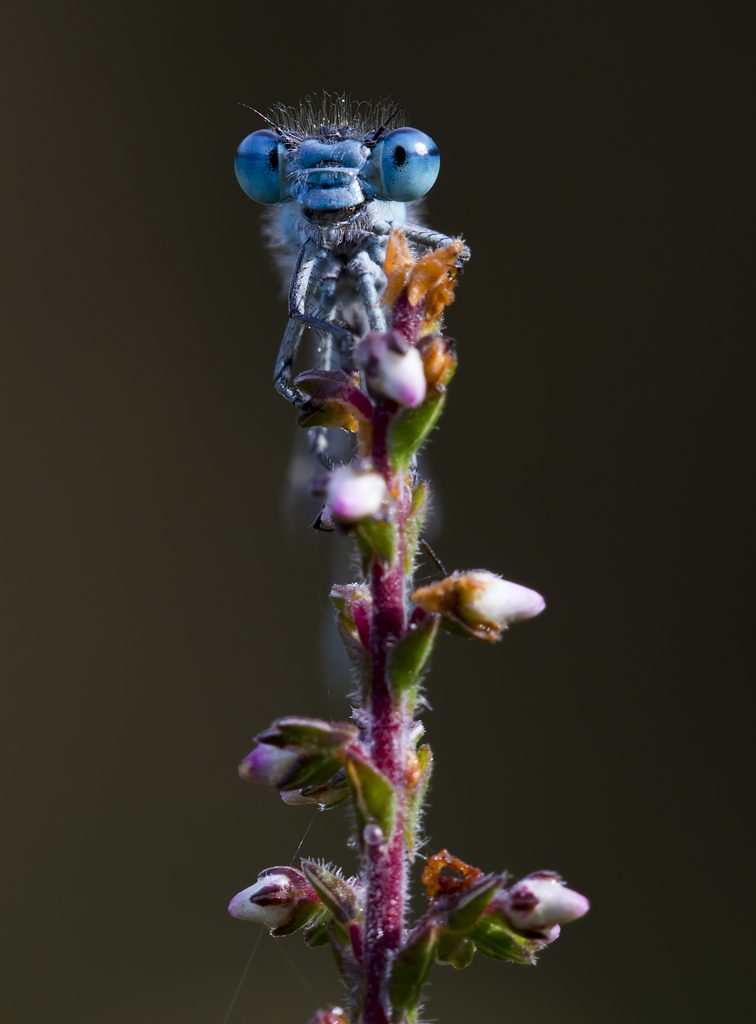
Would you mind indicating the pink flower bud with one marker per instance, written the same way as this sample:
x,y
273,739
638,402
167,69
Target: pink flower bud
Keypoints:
x,y
393,368
541,901
353,496
268,764
281,899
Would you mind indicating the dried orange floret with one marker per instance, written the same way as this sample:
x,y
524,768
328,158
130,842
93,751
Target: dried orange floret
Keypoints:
x,y
432,270
398,261
444,874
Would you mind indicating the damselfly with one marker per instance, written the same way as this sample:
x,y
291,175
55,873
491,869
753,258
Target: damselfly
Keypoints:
x,y
337,178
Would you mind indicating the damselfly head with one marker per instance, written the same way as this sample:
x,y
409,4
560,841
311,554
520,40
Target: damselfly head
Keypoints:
x,y
332,169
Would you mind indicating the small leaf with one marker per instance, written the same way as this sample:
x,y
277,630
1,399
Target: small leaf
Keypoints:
x,y
374,796
335,891
308,733
409,657
412,426
315,770
456,951
325,796
495,939
416,798
315,932
411,966
470,906
377,537
352,603
415,523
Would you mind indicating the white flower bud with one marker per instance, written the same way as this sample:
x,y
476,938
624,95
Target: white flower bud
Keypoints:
x,y
244,908
479,602
281,899
540,901
353,496
497,602
399,376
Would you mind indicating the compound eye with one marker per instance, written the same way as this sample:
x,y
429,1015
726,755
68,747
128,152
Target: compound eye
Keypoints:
x,y
258,166
409,164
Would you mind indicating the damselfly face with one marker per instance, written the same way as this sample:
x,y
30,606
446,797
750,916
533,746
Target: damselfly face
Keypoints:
x,y
334,172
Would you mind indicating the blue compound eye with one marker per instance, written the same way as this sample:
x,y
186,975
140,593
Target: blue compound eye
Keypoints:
x,y
409,164
258,166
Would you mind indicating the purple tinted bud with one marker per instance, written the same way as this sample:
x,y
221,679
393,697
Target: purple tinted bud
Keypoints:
x,y
281,899
353,496
268,764
541,901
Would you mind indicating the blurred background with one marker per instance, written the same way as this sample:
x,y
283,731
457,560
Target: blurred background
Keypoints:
x,y
163,599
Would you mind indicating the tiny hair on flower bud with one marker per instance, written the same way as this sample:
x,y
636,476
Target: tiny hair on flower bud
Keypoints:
x,y
480,603
353,495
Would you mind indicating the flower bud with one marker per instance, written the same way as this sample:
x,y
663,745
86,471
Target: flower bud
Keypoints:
x,y
331,1015
393,368
480,603
281,899
353,496
497,602
541,902
296,752
268,764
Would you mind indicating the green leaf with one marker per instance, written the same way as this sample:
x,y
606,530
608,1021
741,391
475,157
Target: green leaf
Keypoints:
x,y
315,932
414,526
416,799
410,656
335,891
457,951
374,796
329,794
411,427
379,538
411,966
494,938
311,734
313,770
471,905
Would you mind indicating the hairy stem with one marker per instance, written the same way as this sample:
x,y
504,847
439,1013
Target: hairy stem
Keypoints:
x,y
386,862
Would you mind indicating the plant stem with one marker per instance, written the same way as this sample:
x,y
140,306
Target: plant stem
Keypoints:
x,y
386,862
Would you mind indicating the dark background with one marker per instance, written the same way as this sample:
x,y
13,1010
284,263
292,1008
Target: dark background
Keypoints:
x,y
161,601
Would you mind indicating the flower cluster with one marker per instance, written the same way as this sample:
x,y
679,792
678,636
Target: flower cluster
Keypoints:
x,y
390,401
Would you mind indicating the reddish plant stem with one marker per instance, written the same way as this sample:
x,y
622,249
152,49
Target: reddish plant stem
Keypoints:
x,y
386,863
